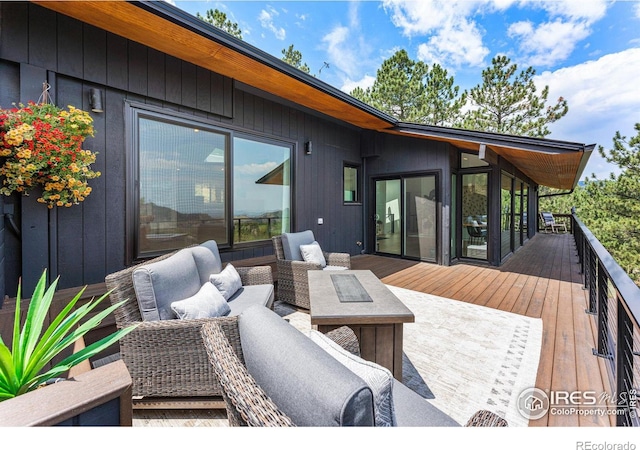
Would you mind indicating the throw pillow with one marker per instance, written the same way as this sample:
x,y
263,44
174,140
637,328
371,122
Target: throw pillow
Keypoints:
x,y
378,378
208,302
313,253
228,281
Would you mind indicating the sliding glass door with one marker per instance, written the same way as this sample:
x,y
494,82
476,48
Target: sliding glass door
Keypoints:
x,y
406,217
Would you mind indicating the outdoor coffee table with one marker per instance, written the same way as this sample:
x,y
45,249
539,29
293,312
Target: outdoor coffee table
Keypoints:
x,y
357,298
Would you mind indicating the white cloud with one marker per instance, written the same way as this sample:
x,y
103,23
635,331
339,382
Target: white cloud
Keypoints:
x,y
574,10
453,39
266,19
343,50
365,82
548,43
454,47
602,98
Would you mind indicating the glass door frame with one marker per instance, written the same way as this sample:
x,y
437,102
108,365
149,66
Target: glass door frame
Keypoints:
x,y
403,238
457,220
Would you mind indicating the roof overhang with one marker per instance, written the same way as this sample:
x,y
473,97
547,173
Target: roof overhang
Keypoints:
x,y
166,28
557,164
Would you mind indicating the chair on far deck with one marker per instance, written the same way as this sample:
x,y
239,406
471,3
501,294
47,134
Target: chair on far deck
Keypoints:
x,y
293,283
550,223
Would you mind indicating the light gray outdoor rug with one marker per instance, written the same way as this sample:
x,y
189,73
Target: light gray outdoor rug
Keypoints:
x,y
462,357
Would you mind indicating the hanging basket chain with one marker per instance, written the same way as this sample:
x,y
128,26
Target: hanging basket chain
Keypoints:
x,y
45,97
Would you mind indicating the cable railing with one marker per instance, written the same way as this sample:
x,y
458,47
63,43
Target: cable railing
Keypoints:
x,y
246,229
614,300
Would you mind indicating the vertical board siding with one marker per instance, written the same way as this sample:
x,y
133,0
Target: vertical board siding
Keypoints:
x,y
70,46
34,218
114,177
117,69
12,262
94,54
43,51
14,32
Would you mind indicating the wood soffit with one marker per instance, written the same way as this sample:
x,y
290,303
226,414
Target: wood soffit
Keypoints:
x,y
129,21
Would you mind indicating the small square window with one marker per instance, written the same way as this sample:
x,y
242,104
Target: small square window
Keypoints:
x,y
351,181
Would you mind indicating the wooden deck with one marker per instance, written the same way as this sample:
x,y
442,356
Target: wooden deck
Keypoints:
x,y
541,280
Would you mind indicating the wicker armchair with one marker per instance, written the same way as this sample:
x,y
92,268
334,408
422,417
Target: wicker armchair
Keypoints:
x,y
293,283
166,358
246,402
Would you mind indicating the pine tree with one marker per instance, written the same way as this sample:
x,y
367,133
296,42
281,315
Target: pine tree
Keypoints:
x,y
219,19
293,57
411,92
507,102
443,101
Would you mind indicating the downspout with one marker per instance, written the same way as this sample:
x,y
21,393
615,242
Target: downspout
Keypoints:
x,y
365,202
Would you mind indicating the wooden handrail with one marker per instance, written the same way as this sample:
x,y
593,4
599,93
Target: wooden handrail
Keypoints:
x,y
70,399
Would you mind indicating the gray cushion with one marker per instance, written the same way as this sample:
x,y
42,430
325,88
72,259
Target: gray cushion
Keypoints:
x,y
228,281
207,260
306,383
411,410
291,243
378,378
247,296
313,253
208,302
159,284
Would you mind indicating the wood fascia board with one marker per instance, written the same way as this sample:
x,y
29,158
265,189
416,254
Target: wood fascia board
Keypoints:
x,y
131,22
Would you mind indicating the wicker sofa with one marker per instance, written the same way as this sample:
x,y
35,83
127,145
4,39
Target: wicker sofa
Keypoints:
x,y
274,375
293,282
166,358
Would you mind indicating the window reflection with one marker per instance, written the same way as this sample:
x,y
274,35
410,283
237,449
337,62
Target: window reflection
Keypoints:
x,y
261,190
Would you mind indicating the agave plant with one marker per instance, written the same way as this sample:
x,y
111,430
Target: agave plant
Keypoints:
x,y
22,366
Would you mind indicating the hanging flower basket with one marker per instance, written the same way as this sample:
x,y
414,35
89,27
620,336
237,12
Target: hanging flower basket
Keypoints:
x,y
41,145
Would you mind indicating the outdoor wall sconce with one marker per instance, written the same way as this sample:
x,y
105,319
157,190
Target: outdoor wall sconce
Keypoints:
x,y
307,147
95,100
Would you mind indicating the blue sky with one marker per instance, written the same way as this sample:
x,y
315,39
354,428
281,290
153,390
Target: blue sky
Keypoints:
x,y
587,51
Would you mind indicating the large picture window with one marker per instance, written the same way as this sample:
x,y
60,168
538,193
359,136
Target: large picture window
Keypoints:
x,y
192,182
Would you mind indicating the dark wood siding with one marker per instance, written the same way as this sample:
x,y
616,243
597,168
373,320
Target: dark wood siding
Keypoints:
x,y
84,243
11,254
